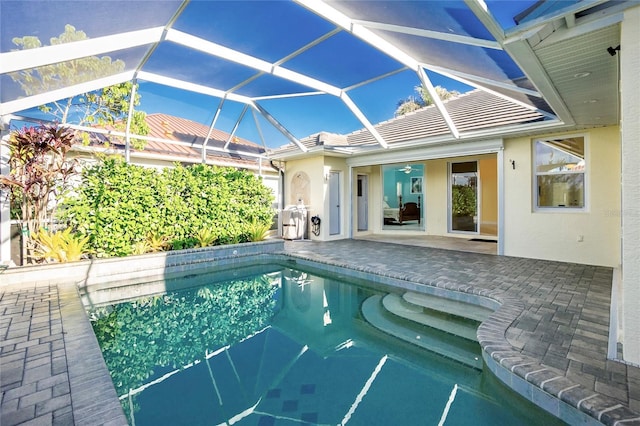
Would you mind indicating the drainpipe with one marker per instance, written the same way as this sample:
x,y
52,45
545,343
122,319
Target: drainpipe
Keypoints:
x,y
501,174
281,197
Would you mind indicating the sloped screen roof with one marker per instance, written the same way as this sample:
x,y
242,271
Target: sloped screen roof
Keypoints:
x,y
302,67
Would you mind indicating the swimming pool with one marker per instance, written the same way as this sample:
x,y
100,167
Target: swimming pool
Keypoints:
x,y
271,345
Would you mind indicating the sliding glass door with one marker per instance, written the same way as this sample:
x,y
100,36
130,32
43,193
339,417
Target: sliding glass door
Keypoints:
x,y
403,197
463,196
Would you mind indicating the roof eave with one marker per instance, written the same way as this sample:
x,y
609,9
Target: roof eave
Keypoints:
x,y
498,132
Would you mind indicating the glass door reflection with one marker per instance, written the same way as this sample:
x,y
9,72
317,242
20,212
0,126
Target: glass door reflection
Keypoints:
x,y
463,196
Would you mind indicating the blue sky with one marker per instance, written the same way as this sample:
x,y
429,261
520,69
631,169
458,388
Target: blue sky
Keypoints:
x,y
302,116
306,115
345,60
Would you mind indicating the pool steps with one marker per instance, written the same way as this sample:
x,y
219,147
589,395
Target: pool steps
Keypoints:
x,y
439,320
376,314
453,307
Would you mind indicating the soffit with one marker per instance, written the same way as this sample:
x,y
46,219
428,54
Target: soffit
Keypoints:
x,y
585,75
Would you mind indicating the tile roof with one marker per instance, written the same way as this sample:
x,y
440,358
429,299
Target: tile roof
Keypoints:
x,y
170,127
474,111
191,135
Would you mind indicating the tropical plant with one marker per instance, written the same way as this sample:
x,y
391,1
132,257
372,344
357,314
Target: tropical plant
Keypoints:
x,y
157,242
107,107
184,243
206,237
116,205
463,200
423,99
61,246
39,172
257,231
140,247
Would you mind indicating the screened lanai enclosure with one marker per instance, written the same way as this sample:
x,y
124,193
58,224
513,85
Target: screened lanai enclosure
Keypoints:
x,y
530,150
308,78
277,71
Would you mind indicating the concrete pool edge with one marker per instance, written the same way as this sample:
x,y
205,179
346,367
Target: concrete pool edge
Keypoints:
x,y
549,390
93,398
145,266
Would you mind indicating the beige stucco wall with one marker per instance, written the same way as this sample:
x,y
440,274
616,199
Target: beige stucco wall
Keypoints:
x,y
591,236
630,107
317,169
312,167
436,187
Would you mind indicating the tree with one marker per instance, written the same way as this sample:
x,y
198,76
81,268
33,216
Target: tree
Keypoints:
x,y
424,99
39,172
108,107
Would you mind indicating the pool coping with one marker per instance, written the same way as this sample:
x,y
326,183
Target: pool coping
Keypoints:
x,y
553,392
93,394
93,397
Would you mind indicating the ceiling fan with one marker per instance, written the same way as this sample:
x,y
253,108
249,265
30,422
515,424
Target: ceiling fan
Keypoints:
x,y
406,169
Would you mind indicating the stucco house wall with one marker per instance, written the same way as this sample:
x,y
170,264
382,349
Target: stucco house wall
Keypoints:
x,y
630,210
591,236
317,169
435,205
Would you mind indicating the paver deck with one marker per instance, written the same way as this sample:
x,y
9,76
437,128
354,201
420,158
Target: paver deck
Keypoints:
x,y
550,333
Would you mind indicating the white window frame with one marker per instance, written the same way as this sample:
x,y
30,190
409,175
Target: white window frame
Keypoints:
x,y
585,173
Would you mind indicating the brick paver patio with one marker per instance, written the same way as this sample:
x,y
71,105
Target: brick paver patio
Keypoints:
x,y
550,333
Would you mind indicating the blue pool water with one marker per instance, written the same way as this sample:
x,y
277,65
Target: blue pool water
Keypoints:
x,y
285,347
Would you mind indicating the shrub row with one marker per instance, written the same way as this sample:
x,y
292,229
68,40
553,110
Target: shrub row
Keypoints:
x,y
121,207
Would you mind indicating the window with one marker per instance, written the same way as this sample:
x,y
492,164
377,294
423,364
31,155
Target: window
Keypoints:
x,y
559,173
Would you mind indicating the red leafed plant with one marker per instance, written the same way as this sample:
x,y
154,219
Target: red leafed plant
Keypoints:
x,y
39,171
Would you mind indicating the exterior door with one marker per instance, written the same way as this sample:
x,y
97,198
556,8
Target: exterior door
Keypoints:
x,y
334,203
463,196
363,203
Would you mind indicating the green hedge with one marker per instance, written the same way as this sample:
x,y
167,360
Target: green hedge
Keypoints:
x,y
119,205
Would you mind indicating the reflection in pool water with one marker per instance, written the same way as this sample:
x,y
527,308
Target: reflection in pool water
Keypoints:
x,y
285,347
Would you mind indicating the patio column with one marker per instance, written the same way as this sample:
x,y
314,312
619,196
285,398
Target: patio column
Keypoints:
x,y
5,216
630,136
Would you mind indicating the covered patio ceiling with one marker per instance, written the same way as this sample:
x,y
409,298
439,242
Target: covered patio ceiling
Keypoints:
x,y
279,60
